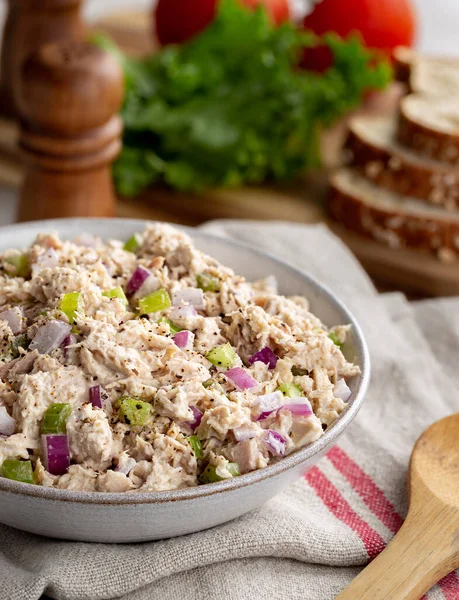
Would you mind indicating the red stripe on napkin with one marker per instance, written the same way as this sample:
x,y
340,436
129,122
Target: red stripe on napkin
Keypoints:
x,y
366,488
380,506
449,585
343,511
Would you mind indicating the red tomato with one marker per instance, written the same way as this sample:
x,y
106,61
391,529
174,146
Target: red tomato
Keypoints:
x,y
278,10
318,59
383,24
180,20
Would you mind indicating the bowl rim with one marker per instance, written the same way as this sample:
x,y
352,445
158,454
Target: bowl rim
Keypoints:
x,y
276,469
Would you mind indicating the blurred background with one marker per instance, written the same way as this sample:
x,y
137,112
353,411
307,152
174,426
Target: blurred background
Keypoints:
x,y
437,26
234,111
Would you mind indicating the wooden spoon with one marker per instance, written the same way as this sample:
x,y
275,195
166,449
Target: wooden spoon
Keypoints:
x,y
427,546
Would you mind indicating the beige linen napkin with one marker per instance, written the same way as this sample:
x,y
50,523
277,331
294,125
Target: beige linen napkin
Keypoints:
x,y
312,539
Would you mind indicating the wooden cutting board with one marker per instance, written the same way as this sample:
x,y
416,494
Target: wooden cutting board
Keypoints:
x,y
416,273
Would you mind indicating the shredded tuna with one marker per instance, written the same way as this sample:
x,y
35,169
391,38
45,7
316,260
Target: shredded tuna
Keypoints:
x,y
164,417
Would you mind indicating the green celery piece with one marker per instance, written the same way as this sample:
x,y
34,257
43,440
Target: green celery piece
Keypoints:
x,y
117,292
211,384
55,419
20,341
233,468
207,283
71,304
155,302
18,470
196,446
209,475
173,328
133,244
134,411
21,263
334,338
299,372
222,356
290,390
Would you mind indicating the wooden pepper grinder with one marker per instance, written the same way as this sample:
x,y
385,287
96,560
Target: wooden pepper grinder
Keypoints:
x,y
69,97
29,25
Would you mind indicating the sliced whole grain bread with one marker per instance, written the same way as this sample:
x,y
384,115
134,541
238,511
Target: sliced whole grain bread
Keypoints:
x,y
371,148
430,127
398,221
404,59
435,77
432,75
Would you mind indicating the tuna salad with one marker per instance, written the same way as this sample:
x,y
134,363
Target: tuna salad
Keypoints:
x,y
146,365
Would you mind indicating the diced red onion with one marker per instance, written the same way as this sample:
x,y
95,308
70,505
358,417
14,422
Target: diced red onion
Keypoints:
x,y
56,453
341,390
301,410
244,432
267,356
14,317
184,339
266,414
150,285
276,443
95,396
193,296
298,406
126,465
7,423
241,379
194,424
46,260
50,336
265,405
183,312
70,340
140,275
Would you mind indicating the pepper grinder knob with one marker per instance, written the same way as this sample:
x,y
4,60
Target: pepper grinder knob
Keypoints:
x,y
30,24
69,96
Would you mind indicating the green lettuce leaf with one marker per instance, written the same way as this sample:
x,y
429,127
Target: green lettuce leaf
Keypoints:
x,y
233,107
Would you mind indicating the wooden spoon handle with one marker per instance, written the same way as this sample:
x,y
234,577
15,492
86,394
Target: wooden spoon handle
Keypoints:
x,y
419,556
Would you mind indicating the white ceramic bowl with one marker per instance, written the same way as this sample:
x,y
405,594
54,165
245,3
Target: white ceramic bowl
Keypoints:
x,y
103,517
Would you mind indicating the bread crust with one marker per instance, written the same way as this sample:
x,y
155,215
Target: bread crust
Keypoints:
x,y
393,227
394,170
403,64
428,142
